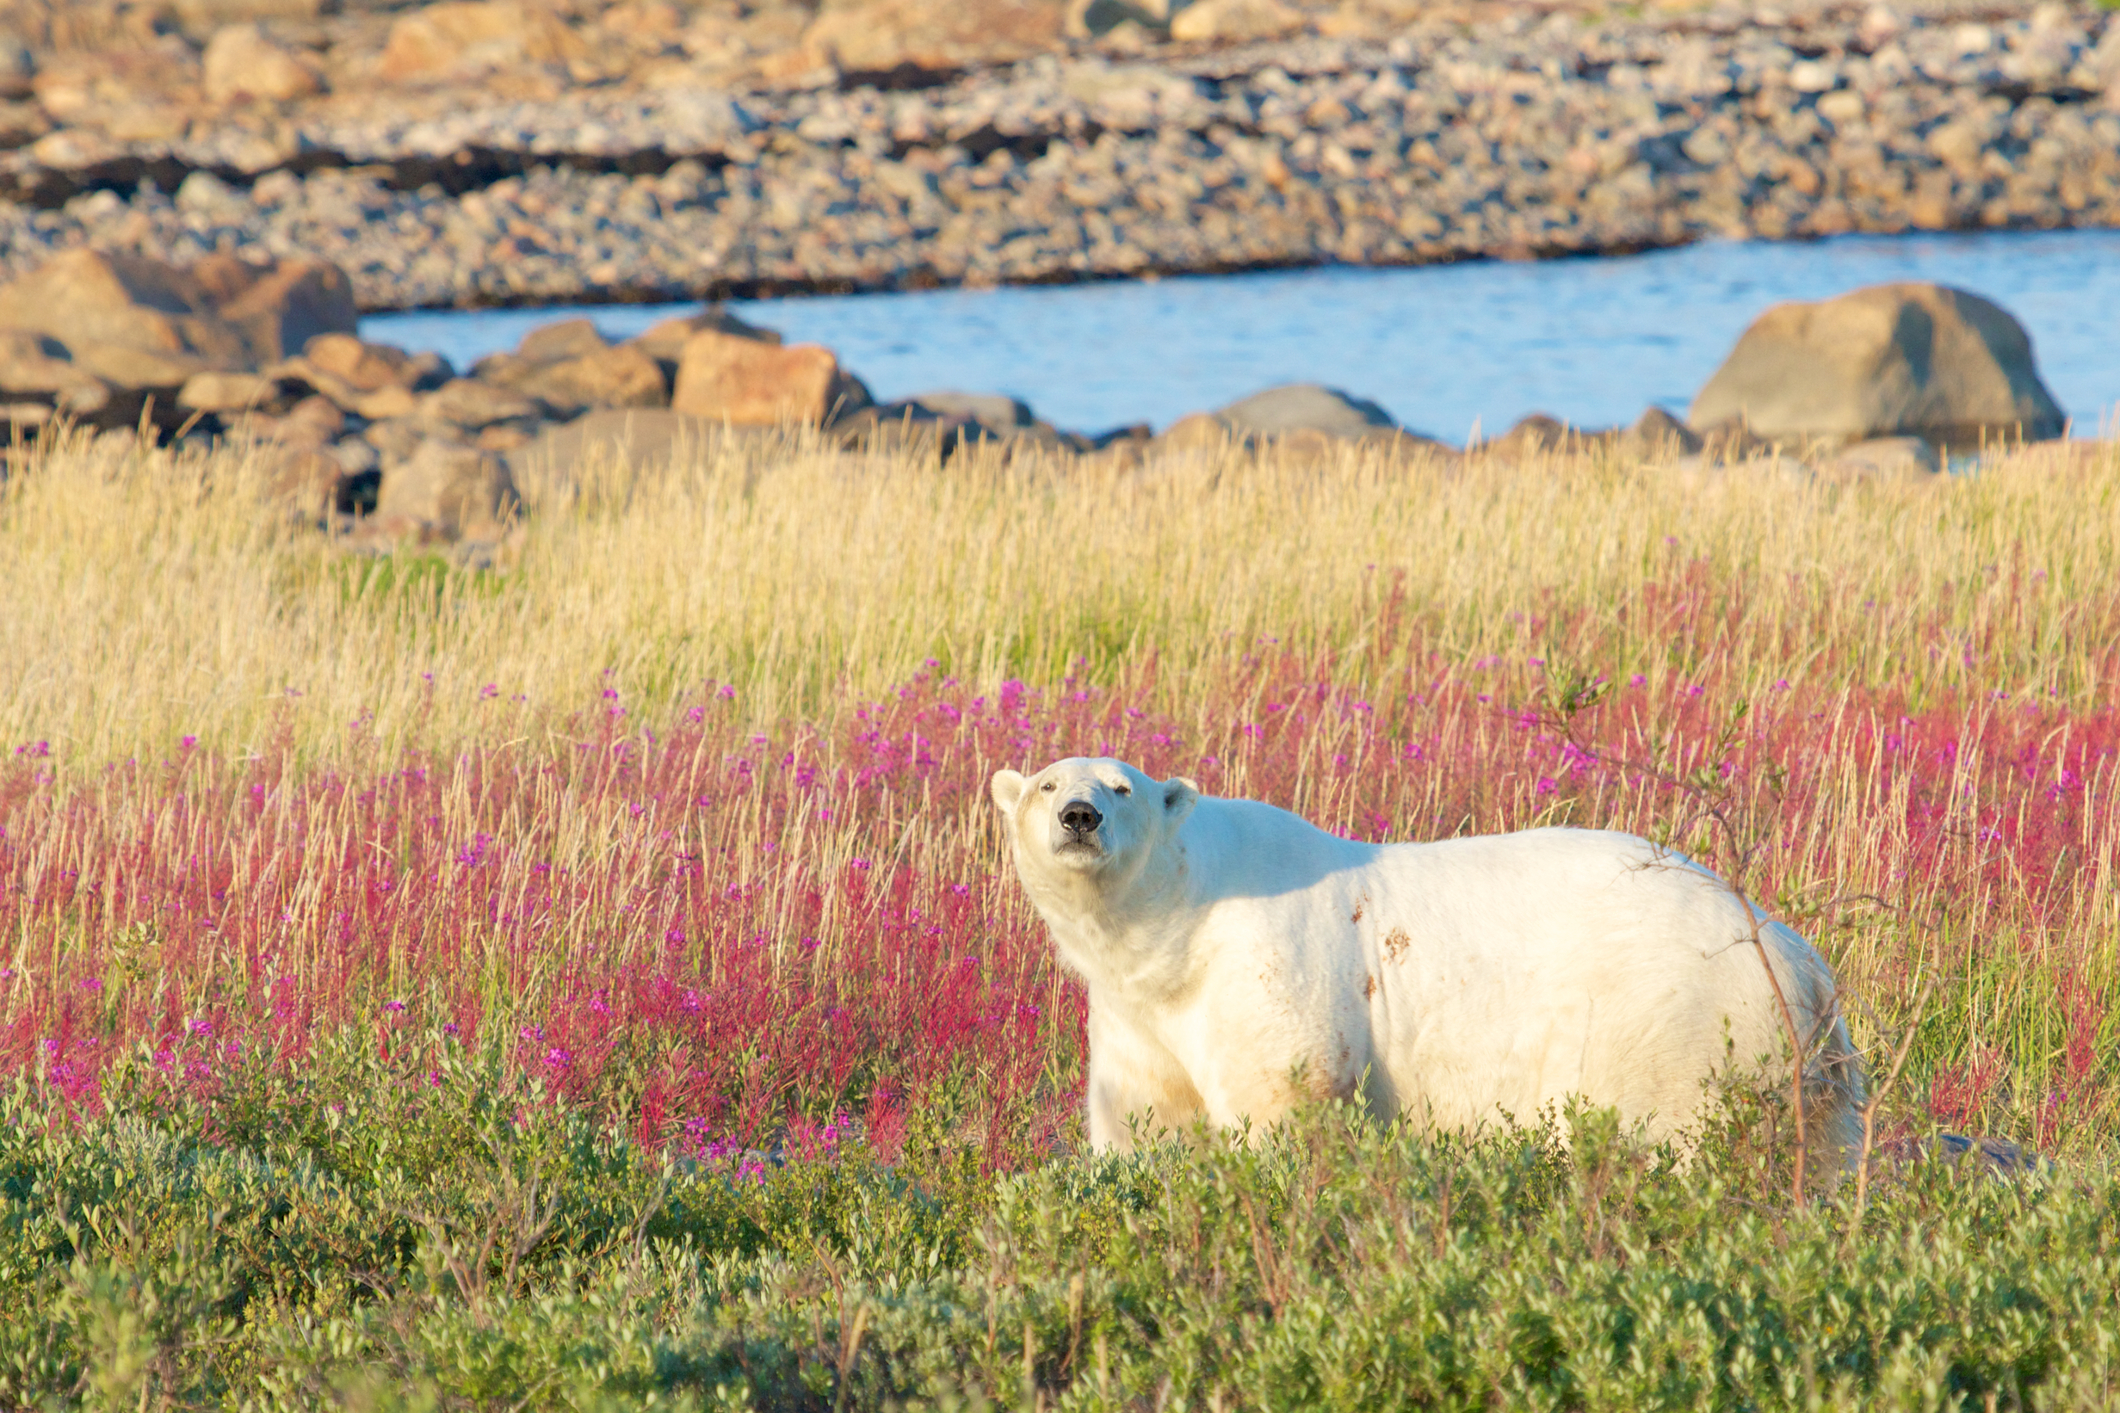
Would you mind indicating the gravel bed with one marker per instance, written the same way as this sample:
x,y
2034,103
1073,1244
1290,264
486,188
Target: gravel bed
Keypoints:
x,y
1560,138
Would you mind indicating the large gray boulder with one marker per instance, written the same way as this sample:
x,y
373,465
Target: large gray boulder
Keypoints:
x,y
1306,407
1302,418
1891,360
997,412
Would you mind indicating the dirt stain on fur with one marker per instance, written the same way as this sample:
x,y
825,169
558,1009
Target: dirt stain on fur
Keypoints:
x,y
1369,988
1359,904
1313,1080
1395,943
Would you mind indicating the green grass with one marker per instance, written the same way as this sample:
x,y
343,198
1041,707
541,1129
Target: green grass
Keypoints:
x,y
432,1231
379,1236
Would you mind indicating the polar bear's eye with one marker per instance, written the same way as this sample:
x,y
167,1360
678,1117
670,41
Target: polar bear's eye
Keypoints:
x,y
1047,787
1122,789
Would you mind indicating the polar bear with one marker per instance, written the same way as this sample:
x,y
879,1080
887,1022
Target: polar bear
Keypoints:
x,y
1240,959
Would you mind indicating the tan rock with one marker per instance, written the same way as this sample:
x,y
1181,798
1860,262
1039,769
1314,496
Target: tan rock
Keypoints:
x,y
375,380
22,124
226,392
290,303
465,35
311,424
202,19
665,342
96,297
883,34
609,377
1657,433
220,277
124,365
748,383
144,122
1914,359
452,488
1534,435
1199,431
391,400
1842,106
430,40
85,85
1234,21
569,338
799,68
320,413
140,323
31,362
242,63
364,367
87,399
646,23
71,147
330,385
502,437
503,369
472,404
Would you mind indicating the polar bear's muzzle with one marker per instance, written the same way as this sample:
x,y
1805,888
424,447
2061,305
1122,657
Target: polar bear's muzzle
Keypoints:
x,y
1079,821
1080,818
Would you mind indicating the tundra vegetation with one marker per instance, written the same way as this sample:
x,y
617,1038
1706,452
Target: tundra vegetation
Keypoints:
x,y
596,981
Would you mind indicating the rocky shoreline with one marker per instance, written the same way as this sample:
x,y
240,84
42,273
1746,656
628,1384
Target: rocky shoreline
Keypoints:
x,y
1529,138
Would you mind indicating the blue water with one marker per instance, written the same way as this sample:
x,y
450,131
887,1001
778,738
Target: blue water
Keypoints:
x,y
1445,348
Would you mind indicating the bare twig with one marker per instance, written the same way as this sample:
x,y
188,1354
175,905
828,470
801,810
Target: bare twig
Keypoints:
x,y
1877,1097
1798,1047
849,1349
1576,695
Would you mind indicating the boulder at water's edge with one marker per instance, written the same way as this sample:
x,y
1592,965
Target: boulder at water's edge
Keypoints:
x,y
1891,360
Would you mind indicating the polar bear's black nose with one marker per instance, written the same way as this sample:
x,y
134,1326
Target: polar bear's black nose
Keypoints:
x,y
1079,817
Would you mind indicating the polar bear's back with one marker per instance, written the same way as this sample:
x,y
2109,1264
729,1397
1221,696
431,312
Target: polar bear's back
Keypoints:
x,y
1554,962
1508,972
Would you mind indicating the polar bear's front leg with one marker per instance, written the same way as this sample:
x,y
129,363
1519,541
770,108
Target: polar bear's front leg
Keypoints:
x,y
1136,1087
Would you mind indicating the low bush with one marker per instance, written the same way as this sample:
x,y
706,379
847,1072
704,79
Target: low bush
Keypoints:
x,y
382,1236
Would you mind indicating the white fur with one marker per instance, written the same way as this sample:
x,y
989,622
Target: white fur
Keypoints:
x,y
1240,959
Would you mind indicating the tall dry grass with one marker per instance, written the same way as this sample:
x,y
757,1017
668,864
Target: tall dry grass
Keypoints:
x,y
685,803
145,598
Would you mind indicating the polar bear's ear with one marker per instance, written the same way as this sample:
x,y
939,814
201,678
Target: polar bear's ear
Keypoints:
x,y
1179,796
1007,787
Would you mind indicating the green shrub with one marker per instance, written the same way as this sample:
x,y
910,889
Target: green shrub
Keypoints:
x,y
369,1238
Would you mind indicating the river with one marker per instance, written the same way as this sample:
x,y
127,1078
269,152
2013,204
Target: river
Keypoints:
x,y
1446,349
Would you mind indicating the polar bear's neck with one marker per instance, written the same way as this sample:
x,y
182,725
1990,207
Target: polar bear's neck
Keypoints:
x,y
1126,935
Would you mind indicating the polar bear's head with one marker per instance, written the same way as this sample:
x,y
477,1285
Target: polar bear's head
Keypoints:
x,y
1089,817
